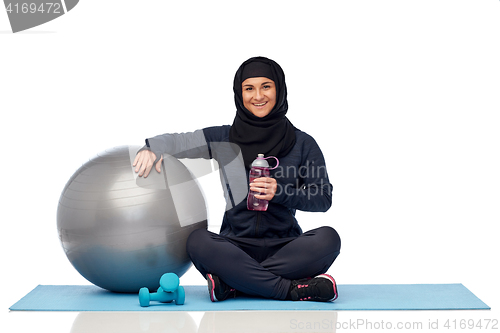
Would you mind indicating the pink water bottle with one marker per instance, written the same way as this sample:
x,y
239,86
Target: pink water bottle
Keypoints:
x,y
259,168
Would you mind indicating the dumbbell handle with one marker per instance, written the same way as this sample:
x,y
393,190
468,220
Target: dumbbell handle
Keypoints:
x,y
145,297
163,296
169,291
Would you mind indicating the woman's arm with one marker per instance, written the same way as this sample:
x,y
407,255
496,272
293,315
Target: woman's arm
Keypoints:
x,y
310,188
180,145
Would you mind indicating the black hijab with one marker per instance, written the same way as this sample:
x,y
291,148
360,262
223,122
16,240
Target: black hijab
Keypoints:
x,y
272,135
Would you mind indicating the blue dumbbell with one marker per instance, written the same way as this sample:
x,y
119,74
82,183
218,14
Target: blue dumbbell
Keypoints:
x,y
169,291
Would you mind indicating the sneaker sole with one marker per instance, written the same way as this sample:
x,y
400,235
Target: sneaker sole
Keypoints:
x,y
329,277
211,287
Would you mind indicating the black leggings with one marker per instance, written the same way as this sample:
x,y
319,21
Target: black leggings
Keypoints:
x,y
263,266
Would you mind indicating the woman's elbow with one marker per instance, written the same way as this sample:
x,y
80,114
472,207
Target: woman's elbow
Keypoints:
x,y
327,203
322,203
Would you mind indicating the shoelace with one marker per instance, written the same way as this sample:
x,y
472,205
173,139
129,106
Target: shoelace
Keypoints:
x,y
308,290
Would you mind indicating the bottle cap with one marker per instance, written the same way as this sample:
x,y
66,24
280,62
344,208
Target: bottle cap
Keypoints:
x,y
260,162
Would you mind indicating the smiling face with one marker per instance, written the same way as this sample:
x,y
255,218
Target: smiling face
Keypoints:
x,y
259,95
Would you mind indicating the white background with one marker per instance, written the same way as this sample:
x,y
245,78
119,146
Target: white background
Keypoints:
x,y
402,96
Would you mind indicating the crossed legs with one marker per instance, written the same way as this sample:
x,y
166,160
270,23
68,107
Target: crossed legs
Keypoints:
x,y
264,267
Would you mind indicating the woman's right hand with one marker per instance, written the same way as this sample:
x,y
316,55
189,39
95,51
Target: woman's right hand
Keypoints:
x,y
144,161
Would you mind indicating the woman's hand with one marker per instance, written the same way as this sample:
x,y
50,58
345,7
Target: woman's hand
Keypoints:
x,y
266,186
144,161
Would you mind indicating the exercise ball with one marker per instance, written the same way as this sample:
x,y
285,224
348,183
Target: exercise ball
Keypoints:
x,y
122,232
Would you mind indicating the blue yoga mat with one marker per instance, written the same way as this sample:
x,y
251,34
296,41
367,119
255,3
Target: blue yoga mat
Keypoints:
x,y
351,297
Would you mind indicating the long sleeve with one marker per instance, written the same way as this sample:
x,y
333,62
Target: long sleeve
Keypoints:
x,y
208,143
180,145
304,186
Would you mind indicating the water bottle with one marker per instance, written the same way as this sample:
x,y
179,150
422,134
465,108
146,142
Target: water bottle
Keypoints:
x,y
259,168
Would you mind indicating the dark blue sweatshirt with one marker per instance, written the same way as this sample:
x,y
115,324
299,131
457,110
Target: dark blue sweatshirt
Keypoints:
x,y
302,179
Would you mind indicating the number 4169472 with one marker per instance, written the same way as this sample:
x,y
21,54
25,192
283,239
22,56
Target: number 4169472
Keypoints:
x,y
27,8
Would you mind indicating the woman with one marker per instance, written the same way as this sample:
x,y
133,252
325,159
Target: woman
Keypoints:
x,y
262,253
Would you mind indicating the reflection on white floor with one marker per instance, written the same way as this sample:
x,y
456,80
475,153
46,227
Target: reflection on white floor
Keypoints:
x,y
219,321
285,321
125,322
252,321
265,321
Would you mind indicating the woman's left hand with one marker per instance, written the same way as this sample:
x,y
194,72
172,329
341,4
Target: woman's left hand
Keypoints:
x,y
265,186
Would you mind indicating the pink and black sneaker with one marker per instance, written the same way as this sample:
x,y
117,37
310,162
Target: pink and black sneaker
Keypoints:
x,y
321,288
218,290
